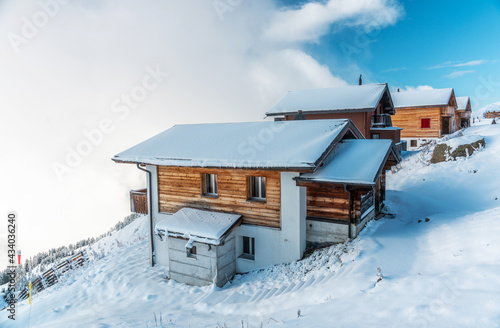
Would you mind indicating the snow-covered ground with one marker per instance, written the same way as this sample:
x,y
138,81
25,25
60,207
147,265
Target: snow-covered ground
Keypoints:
x,y
439,256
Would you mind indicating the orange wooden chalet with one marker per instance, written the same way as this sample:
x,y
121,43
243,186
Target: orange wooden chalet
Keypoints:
x,y
425,115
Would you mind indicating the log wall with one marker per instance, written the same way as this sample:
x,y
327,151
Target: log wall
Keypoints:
x,y
180,187
328,201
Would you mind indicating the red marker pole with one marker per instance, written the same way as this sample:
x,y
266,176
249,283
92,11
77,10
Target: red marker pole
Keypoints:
x,y
19,257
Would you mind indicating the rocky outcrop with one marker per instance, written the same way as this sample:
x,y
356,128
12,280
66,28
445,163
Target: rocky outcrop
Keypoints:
x,y
445,151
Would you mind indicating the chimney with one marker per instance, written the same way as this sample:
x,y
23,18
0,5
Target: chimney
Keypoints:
x,y
360,79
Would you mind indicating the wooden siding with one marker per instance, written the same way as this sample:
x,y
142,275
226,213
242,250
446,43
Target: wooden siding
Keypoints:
x,y
391,134
139,201
362,120
410,120
328,201
180,187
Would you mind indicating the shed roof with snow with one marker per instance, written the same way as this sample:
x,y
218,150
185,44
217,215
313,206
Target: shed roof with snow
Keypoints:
x,y
353,98
199,226
463,103
424,98
354,162
289,145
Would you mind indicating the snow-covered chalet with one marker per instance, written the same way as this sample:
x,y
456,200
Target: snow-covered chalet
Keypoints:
x,y
234,197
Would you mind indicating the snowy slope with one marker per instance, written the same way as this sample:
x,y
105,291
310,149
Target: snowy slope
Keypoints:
x,y
439,272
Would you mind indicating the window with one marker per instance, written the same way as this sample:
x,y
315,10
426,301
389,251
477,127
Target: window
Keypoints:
x,y
376,136
191,252
210,184
248,248
413,143
258,188
425,123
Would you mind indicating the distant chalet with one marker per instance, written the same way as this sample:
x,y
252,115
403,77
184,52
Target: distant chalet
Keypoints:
x,y
369,106
425,115
229,198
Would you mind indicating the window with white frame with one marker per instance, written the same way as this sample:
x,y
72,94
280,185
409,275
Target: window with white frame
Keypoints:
x,y
248,248
210,184
258,188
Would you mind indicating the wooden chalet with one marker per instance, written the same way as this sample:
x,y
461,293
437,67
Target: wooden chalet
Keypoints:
x,y
425,115
491,114
463,113
228,198
369,106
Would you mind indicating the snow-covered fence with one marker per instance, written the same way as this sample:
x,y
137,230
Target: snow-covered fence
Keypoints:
x,y
52,276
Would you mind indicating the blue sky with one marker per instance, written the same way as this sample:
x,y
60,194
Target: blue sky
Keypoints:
x,y
437,43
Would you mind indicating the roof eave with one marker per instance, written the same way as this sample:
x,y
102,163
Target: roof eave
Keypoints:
x,y
325,111
302,169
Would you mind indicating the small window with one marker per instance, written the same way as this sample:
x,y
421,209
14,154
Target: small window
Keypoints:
x,y
413,143
191,252
210,184
258,188
248,248
376,136
425,123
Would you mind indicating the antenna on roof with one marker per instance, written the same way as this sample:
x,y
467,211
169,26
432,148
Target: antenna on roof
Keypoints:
x,y
360,79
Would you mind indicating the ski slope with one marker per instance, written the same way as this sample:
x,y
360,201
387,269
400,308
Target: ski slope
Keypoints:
x,y
439,255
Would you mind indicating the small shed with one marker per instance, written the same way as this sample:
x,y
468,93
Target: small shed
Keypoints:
x,y
201,246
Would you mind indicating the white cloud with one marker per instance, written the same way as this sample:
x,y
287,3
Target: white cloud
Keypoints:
x,y
397,69
411,88
460,64
456,74
313,19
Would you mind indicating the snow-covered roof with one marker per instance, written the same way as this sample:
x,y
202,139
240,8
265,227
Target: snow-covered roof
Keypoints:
x,y
267,144
422,98
349,98
355,162
197,225
462,103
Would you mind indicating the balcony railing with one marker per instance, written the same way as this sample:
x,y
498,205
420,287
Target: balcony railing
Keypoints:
x,y
381,121
139,201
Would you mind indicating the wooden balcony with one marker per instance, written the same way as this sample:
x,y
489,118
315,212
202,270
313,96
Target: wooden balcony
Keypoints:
x,y
464,114
381,121
139,201
447,111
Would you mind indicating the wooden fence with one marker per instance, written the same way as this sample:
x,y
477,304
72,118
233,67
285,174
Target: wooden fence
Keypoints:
x,y
52,276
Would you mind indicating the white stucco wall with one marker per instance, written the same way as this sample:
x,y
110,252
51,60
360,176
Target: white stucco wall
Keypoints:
x,y
420,142
273,246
